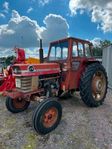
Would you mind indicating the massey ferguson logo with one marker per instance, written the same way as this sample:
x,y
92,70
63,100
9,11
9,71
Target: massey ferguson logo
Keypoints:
x,y
31,68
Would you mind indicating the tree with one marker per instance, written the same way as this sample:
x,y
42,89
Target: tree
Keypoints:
x,y
98,50
9,60
105,43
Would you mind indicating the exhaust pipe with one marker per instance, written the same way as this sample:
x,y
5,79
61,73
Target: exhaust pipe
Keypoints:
x,y
41,52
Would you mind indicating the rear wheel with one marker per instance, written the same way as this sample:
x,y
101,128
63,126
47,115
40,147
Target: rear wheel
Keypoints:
x,y
93,85
47,116
16,105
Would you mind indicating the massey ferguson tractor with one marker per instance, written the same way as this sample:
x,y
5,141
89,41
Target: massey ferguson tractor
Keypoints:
x,y
70,66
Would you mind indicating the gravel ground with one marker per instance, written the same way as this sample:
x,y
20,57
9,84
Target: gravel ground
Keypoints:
x,y
80,128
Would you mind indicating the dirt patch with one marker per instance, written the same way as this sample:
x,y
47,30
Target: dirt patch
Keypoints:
x,y
80,128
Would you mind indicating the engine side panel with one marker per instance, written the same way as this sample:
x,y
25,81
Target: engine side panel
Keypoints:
x,y
36,70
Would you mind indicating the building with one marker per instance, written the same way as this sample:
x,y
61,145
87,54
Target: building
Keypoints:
x,y
107,63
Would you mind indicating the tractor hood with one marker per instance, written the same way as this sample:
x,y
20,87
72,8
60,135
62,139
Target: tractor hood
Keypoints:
x,y
35,69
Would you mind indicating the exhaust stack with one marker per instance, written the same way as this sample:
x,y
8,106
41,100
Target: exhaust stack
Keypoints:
x,y
41,56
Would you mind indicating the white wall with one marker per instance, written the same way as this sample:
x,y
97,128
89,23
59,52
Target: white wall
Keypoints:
x,y
107,63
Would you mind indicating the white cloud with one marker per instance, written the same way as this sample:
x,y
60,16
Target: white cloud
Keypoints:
x,y
56,28
29,10
44,2
101,11
6,6
21,31
32,52
96,42
2,15
6,52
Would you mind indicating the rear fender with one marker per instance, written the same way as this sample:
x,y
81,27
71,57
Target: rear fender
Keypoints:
x,y
91,62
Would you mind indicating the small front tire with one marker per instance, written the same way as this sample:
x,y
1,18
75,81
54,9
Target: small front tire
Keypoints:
x,y
16,105
47,116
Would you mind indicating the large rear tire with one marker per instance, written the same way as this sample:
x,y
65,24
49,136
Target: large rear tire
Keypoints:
x,y
16,105
47,116
93,85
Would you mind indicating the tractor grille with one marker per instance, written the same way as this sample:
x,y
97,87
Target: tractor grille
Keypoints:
x,y
26,84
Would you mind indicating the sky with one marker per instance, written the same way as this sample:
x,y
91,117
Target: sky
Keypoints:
x,y
24,22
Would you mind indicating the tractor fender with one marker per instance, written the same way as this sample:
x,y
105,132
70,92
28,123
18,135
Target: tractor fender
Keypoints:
x,y
91,62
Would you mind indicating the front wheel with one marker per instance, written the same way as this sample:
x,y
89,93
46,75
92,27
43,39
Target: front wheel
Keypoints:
x,y
16,105
93,85
47,116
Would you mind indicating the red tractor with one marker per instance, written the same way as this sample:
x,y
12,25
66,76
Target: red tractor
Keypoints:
x,y
69,67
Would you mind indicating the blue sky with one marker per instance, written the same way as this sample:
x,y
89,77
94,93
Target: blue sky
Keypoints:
x,y
77,18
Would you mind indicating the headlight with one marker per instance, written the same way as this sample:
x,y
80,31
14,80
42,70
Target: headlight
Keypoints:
x,y
18,83
16,70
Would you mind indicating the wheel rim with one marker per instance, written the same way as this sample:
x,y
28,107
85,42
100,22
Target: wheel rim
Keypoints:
x,y
98,85
19,103
50,117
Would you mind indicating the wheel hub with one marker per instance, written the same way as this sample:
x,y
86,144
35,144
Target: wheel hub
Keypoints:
x,y
98,86
50,117
19,103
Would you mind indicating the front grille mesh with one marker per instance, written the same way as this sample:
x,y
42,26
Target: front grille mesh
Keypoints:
x,y
28,84
25,84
